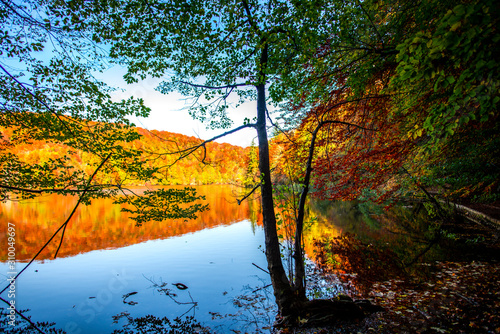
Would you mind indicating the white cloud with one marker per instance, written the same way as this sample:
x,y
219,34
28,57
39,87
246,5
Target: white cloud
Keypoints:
x,y
169,112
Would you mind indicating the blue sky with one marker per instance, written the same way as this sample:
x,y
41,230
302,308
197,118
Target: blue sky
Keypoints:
x,y
169,112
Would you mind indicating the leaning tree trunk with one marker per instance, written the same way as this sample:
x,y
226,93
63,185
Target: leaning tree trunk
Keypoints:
x,y
292,302
281,285
300,273
319,312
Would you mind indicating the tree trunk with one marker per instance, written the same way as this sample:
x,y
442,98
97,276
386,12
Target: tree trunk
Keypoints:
x,y
292,302
300,273
281,285
279,280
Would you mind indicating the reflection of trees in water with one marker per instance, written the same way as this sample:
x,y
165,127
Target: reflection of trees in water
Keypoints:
x,y
365,239
254,312
370,242
152,324
404,228
101,225
24,327
162,288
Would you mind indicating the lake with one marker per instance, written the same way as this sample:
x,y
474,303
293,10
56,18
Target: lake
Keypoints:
x,y
105,256
108,266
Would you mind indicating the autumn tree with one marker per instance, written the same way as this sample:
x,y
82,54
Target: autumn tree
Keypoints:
x,y
416,85
50,96
328,57
209,50
372,127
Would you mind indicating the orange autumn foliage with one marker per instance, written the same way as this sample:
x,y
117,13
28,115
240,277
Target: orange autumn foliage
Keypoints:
x,y
215,163
360,145
102,225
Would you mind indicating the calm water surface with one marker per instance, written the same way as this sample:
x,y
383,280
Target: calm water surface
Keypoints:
x,y
105,257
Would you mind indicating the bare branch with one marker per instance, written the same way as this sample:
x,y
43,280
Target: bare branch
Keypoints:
x,y
248,195
79,201
264,270
188,151
214,87
23,316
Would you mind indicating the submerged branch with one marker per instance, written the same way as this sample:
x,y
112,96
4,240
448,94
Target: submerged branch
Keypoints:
x,y
439,208
267,272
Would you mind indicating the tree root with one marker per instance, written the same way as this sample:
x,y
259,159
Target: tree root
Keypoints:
x,y
324,312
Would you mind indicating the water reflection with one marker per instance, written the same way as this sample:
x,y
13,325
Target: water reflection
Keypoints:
x,y
103,226
401,227
363,243
108,266
106,257
82,293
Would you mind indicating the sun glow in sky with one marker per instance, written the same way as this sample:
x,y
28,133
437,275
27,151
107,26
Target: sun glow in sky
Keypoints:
x,y
170,112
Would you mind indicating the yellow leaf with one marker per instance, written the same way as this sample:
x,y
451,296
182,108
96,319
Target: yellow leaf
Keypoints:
x,y
456,26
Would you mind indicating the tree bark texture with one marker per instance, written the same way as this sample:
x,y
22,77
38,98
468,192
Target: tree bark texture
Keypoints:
x,y
281,285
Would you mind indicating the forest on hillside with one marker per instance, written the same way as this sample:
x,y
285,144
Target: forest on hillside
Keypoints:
x,y
162,151
382,101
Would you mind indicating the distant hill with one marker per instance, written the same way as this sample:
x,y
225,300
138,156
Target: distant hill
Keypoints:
x,y
212,164
216,163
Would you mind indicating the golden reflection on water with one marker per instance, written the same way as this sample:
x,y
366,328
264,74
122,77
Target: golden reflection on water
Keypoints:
x,y
335,219
102,225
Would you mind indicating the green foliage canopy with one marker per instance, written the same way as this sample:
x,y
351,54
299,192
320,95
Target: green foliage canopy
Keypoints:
x,y
49,95
210,49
